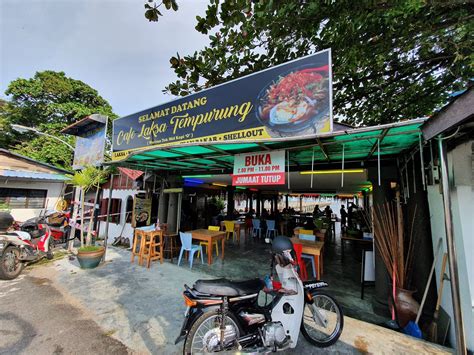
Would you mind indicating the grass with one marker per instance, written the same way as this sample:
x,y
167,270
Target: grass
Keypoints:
x,y
56,256
90,248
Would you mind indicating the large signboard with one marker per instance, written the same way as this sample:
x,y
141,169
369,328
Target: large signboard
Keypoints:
x,y
89,148
291,100
263,168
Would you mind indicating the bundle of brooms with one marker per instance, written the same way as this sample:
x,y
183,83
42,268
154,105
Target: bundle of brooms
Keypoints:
x,y
396,250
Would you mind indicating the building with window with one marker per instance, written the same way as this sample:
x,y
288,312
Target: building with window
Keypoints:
x,y
27,186
126,184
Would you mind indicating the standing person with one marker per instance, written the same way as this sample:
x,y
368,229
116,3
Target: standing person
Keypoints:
x,y
350,215
328,212
317,212
343,218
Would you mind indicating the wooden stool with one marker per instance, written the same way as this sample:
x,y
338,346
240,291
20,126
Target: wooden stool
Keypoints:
x,y
149,245
138,240
169,244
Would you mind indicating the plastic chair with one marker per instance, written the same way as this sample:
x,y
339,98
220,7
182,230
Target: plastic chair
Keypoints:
x,y
270,229
205,244
296,247
302,267
229,229
256,227
187,245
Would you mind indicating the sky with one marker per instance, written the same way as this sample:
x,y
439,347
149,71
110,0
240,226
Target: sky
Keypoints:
x,y
108,44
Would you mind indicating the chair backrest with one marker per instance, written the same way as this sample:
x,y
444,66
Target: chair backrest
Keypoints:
x,y
307,237
256,223
186,240
298,248
229,226
214,228
270,224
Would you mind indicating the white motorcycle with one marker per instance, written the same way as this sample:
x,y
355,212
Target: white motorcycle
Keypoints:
x,y
224,315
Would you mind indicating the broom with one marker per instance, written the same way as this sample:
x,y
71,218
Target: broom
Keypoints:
x,y
433,327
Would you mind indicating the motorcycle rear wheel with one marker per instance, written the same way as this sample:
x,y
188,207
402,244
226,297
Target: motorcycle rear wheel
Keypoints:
x,y
10,264
316,334
202,326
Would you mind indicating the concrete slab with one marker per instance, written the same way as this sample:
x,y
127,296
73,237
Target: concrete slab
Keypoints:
x,y
143,308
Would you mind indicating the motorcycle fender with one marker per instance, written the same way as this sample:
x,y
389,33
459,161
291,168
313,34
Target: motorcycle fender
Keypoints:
x,y
192,314
311,287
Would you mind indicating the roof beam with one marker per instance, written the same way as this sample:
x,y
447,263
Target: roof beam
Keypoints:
x,y
379,140
197,156
323,149
262,145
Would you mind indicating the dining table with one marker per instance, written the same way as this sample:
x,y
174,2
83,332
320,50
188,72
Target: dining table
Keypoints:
x,y
210,237
315,249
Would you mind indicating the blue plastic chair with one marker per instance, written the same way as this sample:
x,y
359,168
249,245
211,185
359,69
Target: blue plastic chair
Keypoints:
x,y
256,227
310,257
270,229
187,244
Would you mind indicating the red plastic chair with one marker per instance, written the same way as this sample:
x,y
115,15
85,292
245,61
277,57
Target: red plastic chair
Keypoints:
x,y
302,267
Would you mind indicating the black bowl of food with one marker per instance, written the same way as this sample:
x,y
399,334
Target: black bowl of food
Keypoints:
x,y
296,100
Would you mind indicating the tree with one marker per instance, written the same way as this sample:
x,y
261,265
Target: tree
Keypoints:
x,y
49,102
392,60
86,179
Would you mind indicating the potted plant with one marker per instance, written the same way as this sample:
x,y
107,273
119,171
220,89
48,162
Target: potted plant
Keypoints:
x,y
88,255
396,249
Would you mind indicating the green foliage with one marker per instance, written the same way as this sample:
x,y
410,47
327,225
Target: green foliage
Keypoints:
x,y
152,12
4,207
88,177
392,60
217,203
49,102
90,248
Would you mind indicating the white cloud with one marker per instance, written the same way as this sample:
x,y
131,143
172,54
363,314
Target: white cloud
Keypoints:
x,y
107,44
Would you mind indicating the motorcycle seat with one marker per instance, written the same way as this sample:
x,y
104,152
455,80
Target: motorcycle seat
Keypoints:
x,y
225,287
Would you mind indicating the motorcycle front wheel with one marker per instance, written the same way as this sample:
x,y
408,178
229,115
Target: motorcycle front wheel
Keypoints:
x,y
10,264
322,321
204,335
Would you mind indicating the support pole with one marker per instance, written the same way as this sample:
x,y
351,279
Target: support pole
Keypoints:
x,y
422,162
342,175
109,205
378,160
288,158
312,169
451,248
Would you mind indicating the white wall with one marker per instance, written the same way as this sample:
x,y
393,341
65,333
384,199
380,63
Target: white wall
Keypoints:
x,y
54,190
118,229
462,200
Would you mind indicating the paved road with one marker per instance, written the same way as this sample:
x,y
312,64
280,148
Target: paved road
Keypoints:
x,y
36,319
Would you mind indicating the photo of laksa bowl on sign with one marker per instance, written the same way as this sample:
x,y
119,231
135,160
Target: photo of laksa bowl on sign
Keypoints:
x,y
263,168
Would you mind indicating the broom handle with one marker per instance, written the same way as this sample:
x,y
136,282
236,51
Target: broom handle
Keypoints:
x,y
441,282
429,281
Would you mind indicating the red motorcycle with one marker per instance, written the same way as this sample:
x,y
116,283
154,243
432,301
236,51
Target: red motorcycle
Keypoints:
x,y
18,248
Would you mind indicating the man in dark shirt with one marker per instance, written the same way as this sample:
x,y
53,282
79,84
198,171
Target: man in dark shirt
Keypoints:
x,y
343,218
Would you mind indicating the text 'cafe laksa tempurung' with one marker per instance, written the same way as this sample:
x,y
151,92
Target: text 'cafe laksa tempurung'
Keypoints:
x,y
291,100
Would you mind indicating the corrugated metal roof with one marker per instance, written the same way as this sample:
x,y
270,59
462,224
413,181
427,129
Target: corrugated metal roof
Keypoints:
x,y
32,175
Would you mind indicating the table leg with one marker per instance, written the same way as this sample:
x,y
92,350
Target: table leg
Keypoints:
x,y
223,244
318,269
209,251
